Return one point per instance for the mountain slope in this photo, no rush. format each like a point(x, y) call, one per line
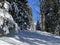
point(31, 38)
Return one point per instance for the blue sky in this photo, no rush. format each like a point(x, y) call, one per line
point(35, 9)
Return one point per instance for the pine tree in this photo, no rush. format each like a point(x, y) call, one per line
point(38, 25)
point(31, 23)
point(7, 22)
point(50, 9)
point(20, 12)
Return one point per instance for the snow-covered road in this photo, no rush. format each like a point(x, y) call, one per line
point(31, 38)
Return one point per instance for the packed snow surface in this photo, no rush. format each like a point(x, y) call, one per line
point(31, 38)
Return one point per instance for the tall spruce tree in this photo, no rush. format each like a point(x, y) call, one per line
point(21, 13)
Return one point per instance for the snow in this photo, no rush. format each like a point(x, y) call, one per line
point(6, 5)
point(24, 37)
point(31, 38)
point(6, 19)
point(5, 43)
point(5, 16)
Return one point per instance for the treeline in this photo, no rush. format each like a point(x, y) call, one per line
point(50, 12)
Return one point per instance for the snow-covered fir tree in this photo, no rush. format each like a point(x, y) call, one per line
point(7, 23)
point(15, 15)
point(20, 12)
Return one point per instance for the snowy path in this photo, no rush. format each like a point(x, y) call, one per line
point(39, 38)
point(4, 43)
point(31, 38)
point(10, 40)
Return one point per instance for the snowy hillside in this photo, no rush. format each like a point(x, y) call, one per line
point(31, 38)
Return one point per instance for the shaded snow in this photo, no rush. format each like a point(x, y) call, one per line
point(32, 38)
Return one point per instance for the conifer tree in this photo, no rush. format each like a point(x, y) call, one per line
point(38, 25)
point(21, 13)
